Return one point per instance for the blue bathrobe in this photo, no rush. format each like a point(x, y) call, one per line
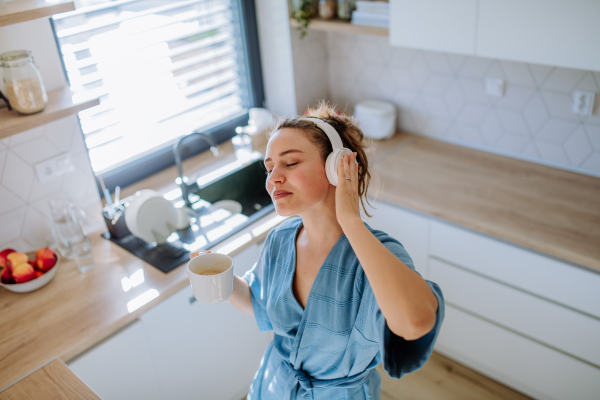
point(329, 350)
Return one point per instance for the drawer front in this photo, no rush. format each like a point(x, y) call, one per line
point(552, 324)
point(526, 270)
point(514, 360)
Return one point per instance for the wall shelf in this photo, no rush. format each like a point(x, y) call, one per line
point(26, 10)
point(60, 105)
point(343, 27)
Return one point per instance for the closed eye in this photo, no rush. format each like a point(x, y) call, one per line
point(289, 165)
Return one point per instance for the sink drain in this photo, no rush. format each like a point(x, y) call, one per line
point(257, 206)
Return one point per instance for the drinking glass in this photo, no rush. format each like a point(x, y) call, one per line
point(73, 243)
point(82, 250)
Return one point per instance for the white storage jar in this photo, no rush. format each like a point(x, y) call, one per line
point(377, 118)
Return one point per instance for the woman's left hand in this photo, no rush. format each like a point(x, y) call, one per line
point(346, 191)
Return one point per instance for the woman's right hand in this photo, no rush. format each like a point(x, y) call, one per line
point(197, 253)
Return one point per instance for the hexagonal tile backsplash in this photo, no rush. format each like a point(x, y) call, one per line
point(25, 222)
point(443, 96)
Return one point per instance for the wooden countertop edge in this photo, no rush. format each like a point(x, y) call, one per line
point(51, 380)
point(564, 255)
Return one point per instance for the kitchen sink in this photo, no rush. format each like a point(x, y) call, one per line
point(212, 224)
point(246, 186)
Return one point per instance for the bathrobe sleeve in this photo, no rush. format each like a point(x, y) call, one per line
point(400, 356)
point(258, 280)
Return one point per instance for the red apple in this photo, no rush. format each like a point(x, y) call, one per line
point(15, 259)
point(6, 276)
point(45, 259)
point(23, 273)
point(38, 274)
point(41, 251)
point(3, 254)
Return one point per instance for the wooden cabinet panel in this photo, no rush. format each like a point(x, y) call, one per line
point(561, 33)
point(120, 367)
point(439, 25)
point(408, 228)
point(514, 360)
point(541, 320)
point(524, 269)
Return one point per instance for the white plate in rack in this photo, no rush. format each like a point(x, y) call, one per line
point(151, 217)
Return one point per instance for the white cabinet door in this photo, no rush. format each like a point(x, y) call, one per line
point(563, 33)
point(439, 25)
point(120, 367)
point(514, 360)
point(546, 322)
point(525, 270)
point(205, 351)
point(410, 229)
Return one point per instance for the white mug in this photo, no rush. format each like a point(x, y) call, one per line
point(214, 288)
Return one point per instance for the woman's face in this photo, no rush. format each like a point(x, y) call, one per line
point(294, 165)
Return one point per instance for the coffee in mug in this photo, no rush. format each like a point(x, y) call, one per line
point(211, 277)
point(211, 271)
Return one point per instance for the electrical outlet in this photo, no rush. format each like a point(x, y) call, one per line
point(54, 167)
point(583, 102)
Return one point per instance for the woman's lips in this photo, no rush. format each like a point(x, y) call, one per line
point(281, 195)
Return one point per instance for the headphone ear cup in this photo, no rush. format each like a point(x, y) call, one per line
point(331, 164)
point(331, 167)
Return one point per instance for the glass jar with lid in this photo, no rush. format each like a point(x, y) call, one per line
point(24, 87)
point(328, 9)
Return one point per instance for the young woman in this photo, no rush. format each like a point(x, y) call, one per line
point(340, 296)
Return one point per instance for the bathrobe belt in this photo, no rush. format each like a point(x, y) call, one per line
point(307, 382)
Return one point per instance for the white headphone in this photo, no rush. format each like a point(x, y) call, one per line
point(333, 159)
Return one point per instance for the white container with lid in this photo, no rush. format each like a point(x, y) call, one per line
point(377, 118)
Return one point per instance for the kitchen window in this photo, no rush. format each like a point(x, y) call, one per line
point(161, 69)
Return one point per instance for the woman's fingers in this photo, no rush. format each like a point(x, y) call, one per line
point(348, 167)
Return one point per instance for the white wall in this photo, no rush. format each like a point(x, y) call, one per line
point(442, 96)
point(276, 56)
point(311, 68)
point(37, 37)
point(24, 214)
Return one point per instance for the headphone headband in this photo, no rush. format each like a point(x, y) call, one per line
point(329, 130)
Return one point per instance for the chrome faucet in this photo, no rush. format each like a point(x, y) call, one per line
point(187, 189)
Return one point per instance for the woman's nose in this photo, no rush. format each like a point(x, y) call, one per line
point(275, 176)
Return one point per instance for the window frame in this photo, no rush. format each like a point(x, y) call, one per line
point(163, 158)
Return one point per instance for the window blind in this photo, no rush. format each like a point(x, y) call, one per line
point(161, 69)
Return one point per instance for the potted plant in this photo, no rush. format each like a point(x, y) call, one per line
point(302, 11)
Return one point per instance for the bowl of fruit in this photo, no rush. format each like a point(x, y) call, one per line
point(25, 272)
